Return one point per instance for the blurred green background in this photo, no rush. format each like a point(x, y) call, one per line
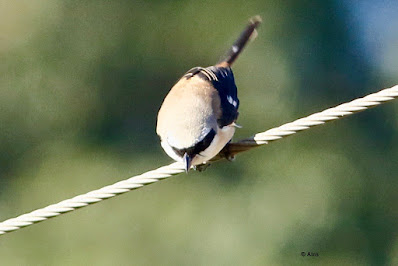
point(80, 86)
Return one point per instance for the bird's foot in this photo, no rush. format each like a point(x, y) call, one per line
point(201, 167)
point(230, 157)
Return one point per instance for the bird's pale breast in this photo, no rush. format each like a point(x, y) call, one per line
point(193, 107)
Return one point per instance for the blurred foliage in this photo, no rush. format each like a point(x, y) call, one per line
point(80, 86)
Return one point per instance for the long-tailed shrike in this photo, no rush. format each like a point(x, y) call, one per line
point(197, 117)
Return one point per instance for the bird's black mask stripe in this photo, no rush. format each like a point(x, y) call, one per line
point(197, 148)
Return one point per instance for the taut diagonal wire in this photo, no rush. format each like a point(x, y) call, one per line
point(177, 168)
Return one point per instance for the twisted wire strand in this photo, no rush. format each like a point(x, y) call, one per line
point(316, 119)
point(229, 151)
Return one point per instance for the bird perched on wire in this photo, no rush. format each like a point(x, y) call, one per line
point(197, 117)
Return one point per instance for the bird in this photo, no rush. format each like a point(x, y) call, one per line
point(197, 118)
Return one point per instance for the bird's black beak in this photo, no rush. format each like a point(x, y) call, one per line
point(187, 162)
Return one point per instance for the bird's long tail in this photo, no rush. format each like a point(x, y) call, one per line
point(249, 33)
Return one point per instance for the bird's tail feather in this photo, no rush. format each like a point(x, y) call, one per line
point(249, 33)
